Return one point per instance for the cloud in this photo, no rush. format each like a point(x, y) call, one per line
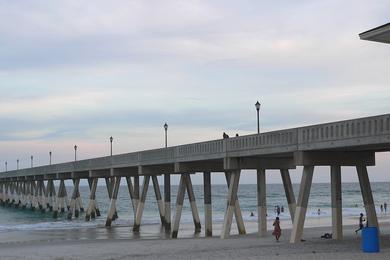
point(73, 72)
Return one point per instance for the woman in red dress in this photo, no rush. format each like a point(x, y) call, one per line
point(277, 231)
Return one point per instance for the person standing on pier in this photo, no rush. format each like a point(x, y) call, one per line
point(277, 230)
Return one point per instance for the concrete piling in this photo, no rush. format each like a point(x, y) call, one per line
point(141, 204)
point(303, 198)
point(207, 204)
point(167, 202)
point(261, 203)
point(114, 195)
point(336, 201)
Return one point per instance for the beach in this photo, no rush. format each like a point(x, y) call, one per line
point(121, 243)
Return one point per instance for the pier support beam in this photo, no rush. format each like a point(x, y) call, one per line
point(141, 204)
point(261, 203)
point(73, 211)
point(185, 183)
point(167, 202)
point(288, 189)
point(179, 206)
point(110, 186)
point(54, 200)
point(160, 204)
point(303, 198)
point(112, 208)
point(237, 209)
point(91, 210)
point(134, 197)
point(234, 179)
point(194, 208)
point(368, 200)
point(337, 215)
point(96, 212)
point(41, 196)
point(208, 219)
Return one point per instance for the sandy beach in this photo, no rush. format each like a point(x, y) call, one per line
point(121, 243)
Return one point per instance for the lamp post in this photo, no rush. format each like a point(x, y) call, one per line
point(166, 134)
point(50, 158)
point(32, 159)
point(111, 139)
point(17, 164)
point(75, 153)
point(6, 167)
point(257, 105)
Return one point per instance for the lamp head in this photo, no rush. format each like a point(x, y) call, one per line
point(257, 105)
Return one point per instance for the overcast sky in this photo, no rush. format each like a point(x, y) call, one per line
point(77, 72)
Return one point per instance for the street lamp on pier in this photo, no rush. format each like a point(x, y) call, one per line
point(111, 139)
point(166, 134)
point(75, 153)
point(32, 161)
point(257, 105)
point(50, 158)
point(6, 167)
point(17, 164)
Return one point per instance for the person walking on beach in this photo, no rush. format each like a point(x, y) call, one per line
point(277, 230)
point(385, 206)
point(278, 210)
point(361, 221)
point(381, 208)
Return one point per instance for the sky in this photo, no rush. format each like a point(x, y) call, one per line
point(77, 72)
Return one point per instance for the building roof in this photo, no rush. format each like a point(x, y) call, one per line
point(378, 34)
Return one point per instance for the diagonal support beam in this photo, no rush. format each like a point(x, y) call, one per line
point(179, 206)
point(112, 209)
point(91, 210)
point(72, 210)
point(372, 220)
point(237, 210)
point(160, 204)
point(303, 198)
point(130, 187)
point(232, 200)
point(288, 189)
point(141, 204)
point(191, 197)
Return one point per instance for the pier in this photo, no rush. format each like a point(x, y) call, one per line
point(345, 143)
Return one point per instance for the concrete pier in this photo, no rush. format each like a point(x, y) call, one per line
point(337, 144)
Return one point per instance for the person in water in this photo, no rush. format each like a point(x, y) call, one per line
point(252, 215)
point(277, 230)
point(361, 221)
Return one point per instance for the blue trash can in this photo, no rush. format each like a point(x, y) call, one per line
point(370, 240)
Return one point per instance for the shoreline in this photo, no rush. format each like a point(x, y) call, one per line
point(248, 246)
point(155, 231)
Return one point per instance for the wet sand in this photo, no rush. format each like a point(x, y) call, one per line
point(151, 243)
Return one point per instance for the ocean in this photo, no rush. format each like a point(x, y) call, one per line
point(12, 219)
